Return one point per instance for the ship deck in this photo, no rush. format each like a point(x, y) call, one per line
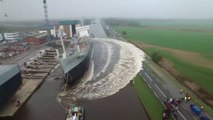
point(75, 59)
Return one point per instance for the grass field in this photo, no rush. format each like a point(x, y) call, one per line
point(172, 38)
point(188, 47)
point(148, 99)
point(200, 75)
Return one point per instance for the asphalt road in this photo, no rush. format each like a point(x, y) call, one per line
point(97, 30)
point(164, 90)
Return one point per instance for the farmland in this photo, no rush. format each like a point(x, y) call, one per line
point(185, 47)
point(171, 38)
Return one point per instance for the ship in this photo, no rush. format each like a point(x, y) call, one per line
point(77, 54)
point(75, 113)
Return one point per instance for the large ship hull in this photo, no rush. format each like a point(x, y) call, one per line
point(75, 66)
point(79, 70)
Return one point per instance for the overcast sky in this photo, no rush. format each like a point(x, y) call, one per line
point(33, 9)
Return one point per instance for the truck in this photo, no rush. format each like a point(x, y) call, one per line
point(196, 109)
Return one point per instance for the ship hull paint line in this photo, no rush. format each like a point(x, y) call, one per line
point(92, 55)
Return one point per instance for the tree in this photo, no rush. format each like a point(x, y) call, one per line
point(124, 33)
point(156, 56)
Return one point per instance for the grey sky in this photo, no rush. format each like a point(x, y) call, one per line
point(33, 9)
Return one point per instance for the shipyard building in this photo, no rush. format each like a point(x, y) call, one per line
point(67, 26)
point(10, 80)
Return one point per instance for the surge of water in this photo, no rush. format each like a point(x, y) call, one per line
point(127, 66)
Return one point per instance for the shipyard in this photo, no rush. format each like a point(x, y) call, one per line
point(103, 60)
point(49, 64)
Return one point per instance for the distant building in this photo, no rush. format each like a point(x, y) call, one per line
point(38, 39)
point(82, 31)
point(9, 82)
point(13, 36)
point(1, 37)
point(67, 26)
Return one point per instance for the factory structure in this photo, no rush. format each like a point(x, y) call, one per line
point(37, 39)
point(67, 26)
point(13, 36)
point(40, 36)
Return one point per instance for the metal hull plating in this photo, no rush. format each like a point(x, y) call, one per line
point(75, 72)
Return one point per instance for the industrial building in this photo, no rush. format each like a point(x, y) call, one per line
point(67, 26)
point(38, 39)
point(1, 37)
point(13, 36)
point(9, 82)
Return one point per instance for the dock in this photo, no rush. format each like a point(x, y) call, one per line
point(33, 73)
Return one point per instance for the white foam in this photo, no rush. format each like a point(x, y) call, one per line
point(128, 65)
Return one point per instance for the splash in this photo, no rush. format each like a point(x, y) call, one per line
point(99, 85)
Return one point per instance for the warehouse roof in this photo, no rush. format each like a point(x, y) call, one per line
point(41, 35)
point(7, 72)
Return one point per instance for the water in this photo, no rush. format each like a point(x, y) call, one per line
point(115, 65)
point(43, 104)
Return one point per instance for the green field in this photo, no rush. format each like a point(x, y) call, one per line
point(148, 99)
point(195, 38)
point(200, 75)
point(201, 42)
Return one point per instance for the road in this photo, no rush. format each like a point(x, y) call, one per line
point(97, 30)
point(165, 90)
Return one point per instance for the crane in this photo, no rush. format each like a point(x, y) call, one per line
point(46, 20)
